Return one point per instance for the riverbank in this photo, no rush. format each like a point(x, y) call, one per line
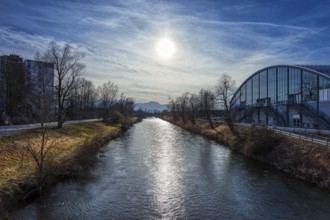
point(302, 159)
point(27, 165)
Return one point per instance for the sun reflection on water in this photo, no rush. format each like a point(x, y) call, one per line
point(167, 175)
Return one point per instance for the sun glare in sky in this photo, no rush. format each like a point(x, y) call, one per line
point(143, 46)
point(165, 48)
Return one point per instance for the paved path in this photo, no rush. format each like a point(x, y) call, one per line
point(13, 129)
point(313, 139)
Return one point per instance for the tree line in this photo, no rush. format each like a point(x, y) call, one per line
point(189, 107)
point(58, 92)
point(68, 95)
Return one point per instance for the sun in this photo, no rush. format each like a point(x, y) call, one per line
point(165, 48)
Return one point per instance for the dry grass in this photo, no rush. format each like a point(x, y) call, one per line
point(16, 165)
point(302, 159)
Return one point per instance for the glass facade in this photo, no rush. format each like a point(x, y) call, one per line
point(255, 88)
point(309, 85)
point(282, 85)
point(242, 101)
point(294, 85)
point(263, 81)
point(271, 85)
point(285, 95)
point(249, 95)
point(324, 89)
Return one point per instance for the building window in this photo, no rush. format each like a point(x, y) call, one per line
point(255, 89)
point(324, 89)
point(243, 94)
point(263, 84)
point(309, 86)
point(282, 85)
point(294, 85)
point(272, 84)
point(296, 120)
point(249, 92)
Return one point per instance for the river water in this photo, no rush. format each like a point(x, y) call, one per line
point(159, 171)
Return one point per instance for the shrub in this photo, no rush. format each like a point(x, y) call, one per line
point(260, 141)
point(116, 118)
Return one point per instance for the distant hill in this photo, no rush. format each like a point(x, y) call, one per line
point(150, 106)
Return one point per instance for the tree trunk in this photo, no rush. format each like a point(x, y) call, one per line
point(183, 118)
point(193, 120)
point(59, 123)
point(210, 120)
point(230, 124)
point(59, 118)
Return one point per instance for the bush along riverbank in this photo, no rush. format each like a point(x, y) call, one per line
point(34, 160)
point(302, 159)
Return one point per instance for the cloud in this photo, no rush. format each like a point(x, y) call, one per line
point(18, 42)
point(119, 38)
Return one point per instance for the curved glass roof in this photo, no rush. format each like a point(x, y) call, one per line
point(325, 69)
point(322, 70)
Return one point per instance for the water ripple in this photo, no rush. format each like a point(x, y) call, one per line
point(159, 171)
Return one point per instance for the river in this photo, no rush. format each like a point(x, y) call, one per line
point(160, 171)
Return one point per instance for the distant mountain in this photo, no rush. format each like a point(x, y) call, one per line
point(150, 106)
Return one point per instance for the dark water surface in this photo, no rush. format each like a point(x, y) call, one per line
point(159, 171)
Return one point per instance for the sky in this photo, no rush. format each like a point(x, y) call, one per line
point(120, 37)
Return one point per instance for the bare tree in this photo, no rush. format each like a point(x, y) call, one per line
point(125, 105)
point(41, 86)
point(89, 96)
point(39, 148)
point(67, 67)
point(172, 108)
point(193, 106)
point(108, 93)
point(225, 90)
point(182, 103)
point(83, 98)
point(207, 102)
point(40, 151)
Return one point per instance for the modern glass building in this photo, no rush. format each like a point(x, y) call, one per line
point(285, 95)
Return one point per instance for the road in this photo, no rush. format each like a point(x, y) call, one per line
point(7, 130)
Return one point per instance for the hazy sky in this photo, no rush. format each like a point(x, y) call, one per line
point(210, 37)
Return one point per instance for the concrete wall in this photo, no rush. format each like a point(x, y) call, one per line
point(325, 107)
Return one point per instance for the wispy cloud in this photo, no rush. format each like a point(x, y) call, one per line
point(119, 39)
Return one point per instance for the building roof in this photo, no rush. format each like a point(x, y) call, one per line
point(325, 69)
